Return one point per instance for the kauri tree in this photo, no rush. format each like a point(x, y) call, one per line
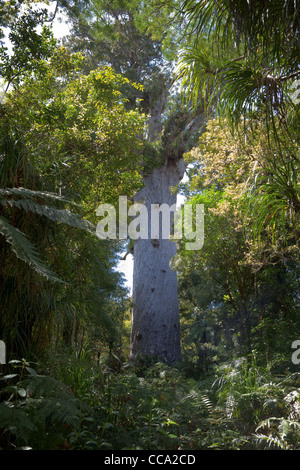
point(138, 40)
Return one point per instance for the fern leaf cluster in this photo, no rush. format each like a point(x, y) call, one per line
point(40, 411)
point(20, 244)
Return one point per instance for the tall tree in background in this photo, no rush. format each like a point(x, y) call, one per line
point(135, 39)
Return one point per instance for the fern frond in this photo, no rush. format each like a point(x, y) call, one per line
point(198, 400)
point(25, 250)
point(57, 215)
point(32, 193)
point(270, 441)
point(33, 419)
point(58, 411)
point(16, 421)
point(52, 400)
point(44, 385)
point(279, 430)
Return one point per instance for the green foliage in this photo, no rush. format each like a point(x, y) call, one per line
point(152, 156)
point(36, 411)
point(133, 409)
point(67, 141)
point(24, 249)
point(251, 23)
point(240, 289)
point(71, 137)
point(280, 432)
point(131, 36)
point(253, 82)
point(28, 218)
point(274, 204)
point(256, 400)
point(94, 138)
point(21, 246)
point(137, 39)
point(29, 48)
point(79, 404)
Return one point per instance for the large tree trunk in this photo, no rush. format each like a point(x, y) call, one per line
point(155, 314)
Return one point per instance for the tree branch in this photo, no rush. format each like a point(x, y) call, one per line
point(288, 77)
point(54, 14)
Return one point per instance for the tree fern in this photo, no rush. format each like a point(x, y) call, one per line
point(40, 416)
point(33, 194)
point(281, 433)
point(20, 244)
point(24, 249)
point(16, 422)
point(52, 213)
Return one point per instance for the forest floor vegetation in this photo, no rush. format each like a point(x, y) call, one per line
point(78, 404)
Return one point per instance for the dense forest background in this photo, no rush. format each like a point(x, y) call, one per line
point(82, 120)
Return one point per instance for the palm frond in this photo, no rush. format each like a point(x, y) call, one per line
point(240, 91)
point(259, 32)
point(270, 23)
point(238, 88)
point(274, 200)
point(197, 74)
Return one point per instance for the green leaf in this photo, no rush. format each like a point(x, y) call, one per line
point(31, 371)
point(32, 194)
point(108, 426)
point(107, 444)
point(22, 392)
point(9, 376)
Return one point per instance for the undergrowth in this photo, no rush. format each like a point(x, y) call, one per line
point(79, 404)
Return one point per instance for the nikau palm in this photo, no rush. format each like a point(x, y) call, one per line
point(245, 63)
point(252, 57)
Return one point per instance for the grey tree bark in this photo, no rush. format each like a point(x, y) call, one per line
point(155, 326)
point(155, 314)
